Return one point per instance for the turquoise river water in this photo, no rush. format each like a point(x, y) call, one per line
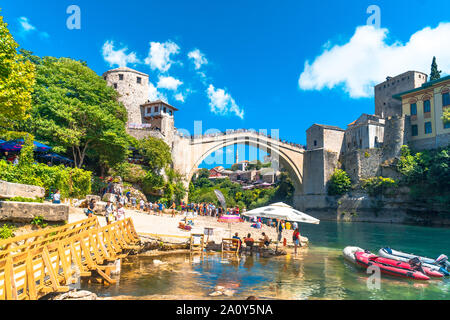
point(318, 272)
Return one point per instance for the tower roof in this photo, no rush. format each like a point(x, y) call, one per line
point(150, 103)
point(125, 69)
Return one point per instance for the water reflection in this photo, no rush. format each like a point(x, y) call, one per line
point(317, 272)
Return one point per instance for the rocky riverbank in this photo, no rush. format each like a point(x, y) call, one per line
point(359, 207)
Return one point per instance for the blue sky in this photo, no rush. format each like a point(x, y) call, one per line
point(246, 64)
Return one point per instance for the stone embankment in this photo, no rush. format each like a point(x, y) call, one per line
point(13, 211)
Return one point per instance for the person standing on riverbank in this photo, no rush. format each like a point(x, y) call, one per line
point(296, 240)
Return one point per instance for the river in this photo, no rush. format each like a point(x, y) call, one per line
point(318, 272)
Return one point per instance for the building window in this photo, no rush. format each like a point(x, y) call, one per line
point(120, 76)
point(104, 77)
point(149, 110)
point(414, 130)
point(156, 109)
point(446, 99)
point(315, 143)
point(447, 125)
point(428, 128)
point(139, 79)
point(413, 109)
point(165, 109)
point(426, 106)
point(170, 112)
point(115, 85)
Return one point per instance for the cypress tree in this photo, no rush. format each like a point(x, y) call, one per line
point(435, 74)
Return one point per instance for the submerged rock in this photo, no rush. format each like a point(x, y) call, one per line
point(228, 293)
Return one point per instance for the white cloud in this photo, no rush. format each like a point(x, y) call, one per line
point(25, 24)
point(222, 103)
point(154, 94)
point(179, 97)
point(198, 58)
point(169, 83)
point(367, 59)
point(27, 28)
point(159, 56)
point(118, 57)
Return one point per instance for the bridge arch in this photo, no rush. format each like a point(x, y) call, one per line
point(291, 158)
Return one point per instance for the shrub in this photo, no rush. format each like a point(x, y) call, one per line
point(23, 199)
point(339, 183)
point(72, 182)
point(7, 231)
point(39, 222)
point(376, 185)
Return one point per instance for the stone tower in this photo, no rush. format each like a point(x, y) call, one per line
point(385, 105)
point(133, 89)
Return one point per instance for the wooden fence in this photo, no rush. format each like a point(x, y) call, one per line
point(42, 262)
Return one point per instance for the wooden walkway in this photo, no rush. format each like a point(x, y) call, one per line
point(42, 262)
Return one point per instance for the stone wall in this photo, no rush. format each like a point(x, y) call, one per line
point(26, 211)
point(362, 164)
point(144, 133)
point(318, 165)
point(439, 141)
point(11, 190)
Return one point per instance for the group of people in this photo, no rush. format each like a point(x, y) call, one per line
point(209, 209)
point(265, 240)
point(13, 158)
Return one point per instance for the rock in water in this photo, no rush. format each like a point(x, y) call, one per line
point(77, 295)
point(228, 293)
point(215, 294)
point(158, 262)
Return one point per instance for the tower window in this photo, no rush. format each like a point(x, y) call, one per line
point(428, 128)
point(120, 76)
point(104, 77)
point(115, 85)
point(315, 143)
point(414, 130)
point(139, 80)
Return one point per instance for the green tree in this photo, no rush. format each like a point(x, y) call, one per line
point(17, 77)
point(203, 173)
point(339, 183)
point(446, 115)
point(77, 112)
point(156, 153)
point(435, 73)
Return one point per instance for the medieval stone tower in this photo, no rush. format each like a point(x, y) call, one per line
point(133, 89)
point(145, 117)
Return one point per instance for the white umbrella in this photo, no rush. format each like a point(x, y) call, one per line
point(281, 211)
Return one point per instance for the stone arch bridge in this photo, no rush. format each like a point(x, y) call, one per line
point(189, 152)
